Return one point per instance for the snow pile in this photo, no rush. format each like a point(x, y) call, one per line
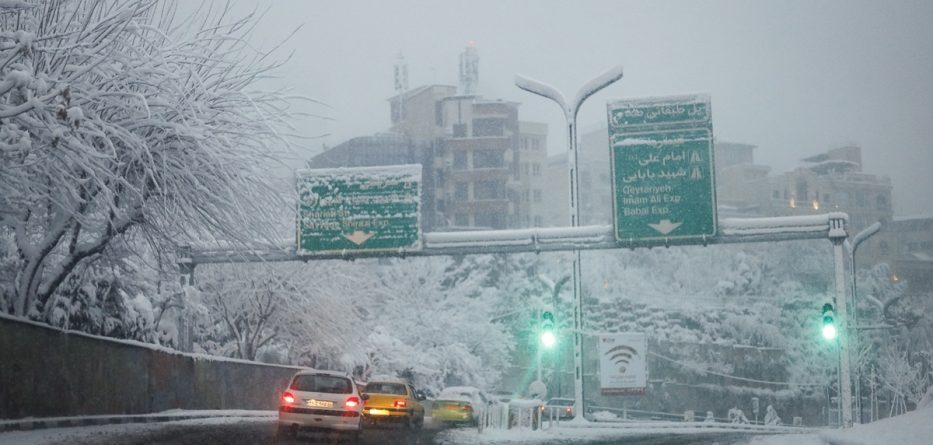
point(913, 428)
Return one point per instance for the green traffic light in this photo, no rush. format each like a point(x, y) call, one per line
point(548, 339)
point(829, 331)
point(829, 322)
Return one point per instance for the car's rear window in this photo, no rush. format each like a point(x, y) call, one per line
point(386, 388)
point(560, 402)
point(322, 383)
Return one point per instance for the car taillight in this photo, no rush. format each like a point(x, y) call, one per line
point(399, 404)
point(467, 408)
point(352, 402)
point(288, 397)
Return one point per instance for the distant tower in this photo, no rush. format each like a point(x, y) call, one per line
point(469, 70)
point(401, 85)
point(401, 74)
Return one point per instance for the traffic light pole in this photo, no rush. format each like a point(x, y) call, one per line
point(570, 113)
point(837, 234)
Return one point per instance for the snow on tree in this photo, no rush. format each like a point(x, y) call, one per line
point(244, 308)
point(116, 120)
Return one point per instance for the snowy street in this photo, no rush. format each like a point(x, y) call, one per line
point(909, 429)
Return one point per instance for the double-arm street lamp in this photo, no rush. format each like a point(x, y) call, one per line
point(570, 114)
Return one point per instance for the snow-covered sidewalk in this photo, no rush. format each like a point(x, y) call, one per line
point(914, 428)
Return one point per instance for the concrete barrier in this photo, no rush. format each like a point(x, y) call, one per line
point(48, 372)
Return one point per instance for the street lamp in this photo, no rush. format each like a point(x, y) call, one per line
point(852, 247)
point(570, 114)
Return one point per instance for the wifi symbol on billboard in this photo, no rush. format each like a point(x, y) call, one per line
point(621, 356)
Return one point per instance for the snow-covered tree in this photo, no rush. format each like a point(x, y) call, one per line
point(309, 315)
point(115, 118)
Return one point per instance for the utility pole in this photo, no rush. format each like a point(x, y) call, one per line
point(570, 114)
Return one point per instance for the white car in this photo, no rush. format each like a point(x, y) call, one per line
point(321, 401)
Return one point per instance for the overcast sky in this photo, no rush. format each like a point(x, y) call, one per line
point(793, 77)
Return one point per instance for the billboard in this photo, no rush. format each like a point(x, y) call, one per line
point(623, 364)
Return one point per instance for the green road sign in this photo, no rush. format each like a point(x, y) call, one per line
point(359, 209)
point(662, 168)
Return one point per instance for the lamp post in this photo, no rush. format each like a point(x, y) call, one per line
point(570, 114)
point(852, 247)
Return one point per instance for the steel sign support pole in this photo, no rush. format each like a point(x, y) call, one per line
point(570, 114)
point(837, 235)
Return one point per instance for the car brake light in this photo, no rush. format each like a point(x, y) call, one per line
point(288, 397)
point(467, 408)
point(352, 402)
point(399, 404)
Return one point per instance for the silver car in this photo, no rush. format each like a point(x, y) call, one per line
point(321, 401)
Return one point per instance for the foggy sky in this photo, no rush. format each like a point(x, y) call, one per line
point(793, 77)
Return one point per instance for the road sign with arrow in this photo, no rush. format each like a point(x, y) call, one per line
point(662, 168)
point(359, 209)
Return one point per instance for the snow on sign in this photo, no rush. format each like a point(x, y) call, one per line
point(359, 209)
point(662, 168)
point(623, 368)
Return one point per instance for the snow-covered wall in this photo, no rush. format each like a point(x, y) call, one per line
point(49, 372)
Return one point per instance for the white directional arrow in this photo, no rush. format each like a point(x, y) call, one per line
point(358, 237)
point(665, 226)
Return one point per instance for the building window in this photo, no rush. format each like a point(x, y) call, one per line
point(441, 179)
point(462, 191)
point(490, 220)
point(539, 221)
point(488, 159)
point(526, 195)
point(488, 190)
point(536, 169)
point(776, 194)
point(441, 205)
point(460, 160)
point(439, 114)
point(860, 200)
point(488, 127)
point(537, 195)
point(460, 130)
point(882, 203)
point(461, 220)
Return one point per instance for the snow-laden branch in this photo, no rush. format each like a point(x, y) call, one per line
point(116, 119)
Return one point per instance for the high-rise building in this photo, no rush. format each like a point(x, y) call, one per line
point(482, 167)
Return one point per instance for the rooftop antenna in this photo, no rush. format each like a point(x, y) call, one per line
point(401, 83)
point(469, 69)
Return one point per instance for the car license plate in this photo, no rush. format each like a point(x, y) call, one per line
point(379, 412)
point(320, 403)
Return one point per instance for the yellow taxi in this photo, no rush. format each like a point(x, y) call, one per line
point(393, 401)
